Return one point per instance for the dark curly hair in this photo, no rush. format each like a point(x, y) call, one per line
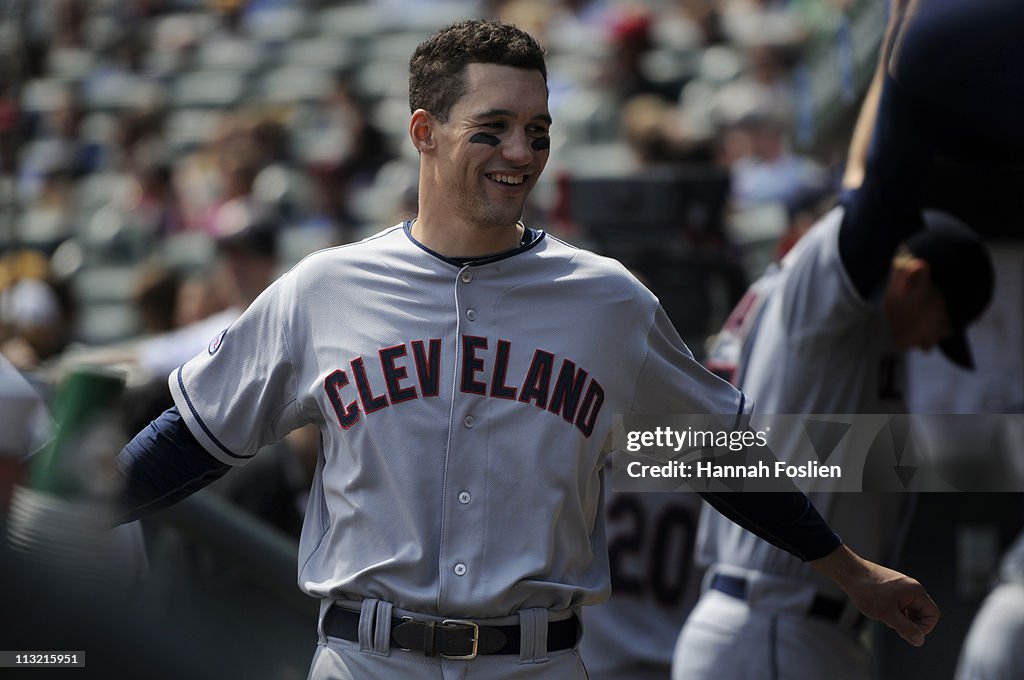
point(437, 68)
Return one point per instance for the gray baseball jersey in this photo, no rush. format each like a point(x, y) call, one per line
point(992, 649)
point(465, 413)
point(814, 347)
point(655, 583)
point(802, 342)
point(23, 418)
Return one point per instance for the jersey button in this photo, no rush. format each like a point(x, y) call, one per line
point(468, 421)
point(460, 569)
point(464, 497)
point(466, 277)
point(471, 314)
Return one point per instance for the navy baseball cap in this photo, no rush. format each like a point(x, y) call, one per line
point(961, 268)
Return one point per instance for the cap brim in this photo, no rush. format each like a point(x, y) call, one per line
point(957, 350)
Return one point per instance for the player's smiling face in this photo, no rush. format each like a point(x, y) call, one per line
point(495, 143)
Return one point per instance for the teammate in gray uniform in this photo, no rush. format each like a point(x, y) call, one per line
point(464, 371)
point(25, 426)
point(765, 614)
point(655, 584)
point(993, 649)
point(821, 333)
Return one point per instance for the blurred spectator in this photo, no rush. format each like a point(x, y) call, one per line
point(229, 15)
point(769, 171)
point(152, 207)
point(657, 132)
point(70, 18)
point(705, 15)
point(155, 297)
point(238, 161)
point(35, 311)
point(247, 263)
point(32, 313)
point(561, 26)
point(279, 185)
point(197, 181)
point(48, 218)
point(349, 151)
point(129, 11)
point(56, 147)
point(394, 194)
point(137, 205)
point(204, 305)
point(198, 296)
point(9, 129)
point(769, 77)
point(249, 255)
point(139, 139)
point(803, 211)
point(631, 41)
point(118, 76)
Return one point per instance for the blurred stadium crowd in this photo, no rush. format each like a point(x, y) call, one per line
point(137, 137)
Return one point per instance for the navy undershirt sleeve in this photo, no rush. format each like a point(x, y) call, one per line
point(163, 464)
point(964, 61)
point(787, 520)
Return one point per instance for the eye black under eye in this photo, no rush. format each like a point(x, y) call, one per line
point(484, 138)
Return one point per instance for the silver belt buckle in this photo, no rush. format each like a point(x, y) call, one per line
point(404, 619)
point(476, 637)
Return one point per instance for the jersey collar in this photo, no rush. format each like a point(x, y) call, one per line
point(531, 238)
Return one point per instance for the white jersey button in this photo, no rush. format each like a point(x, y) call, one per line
point(466, 277)
point(471, 314)
point(460, 569)
point(464, 497)
point(468, 421)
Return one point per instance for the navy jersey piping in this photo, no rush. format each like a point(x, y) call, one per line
point(535, 237)
point(195, 414)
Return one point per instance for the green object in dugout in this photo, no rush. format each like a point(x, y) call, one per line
point(78, 462)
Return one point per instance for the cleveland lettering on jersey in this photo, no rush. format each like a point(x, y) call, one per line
point(563, 389)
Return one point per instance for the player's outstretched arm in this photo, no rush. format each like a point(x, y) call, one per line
point(880, 593)
point(163, 464)
point(856, 157)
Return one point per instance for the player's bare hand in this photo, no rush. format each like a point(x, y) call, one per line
point(898, 601)
point(884, 594)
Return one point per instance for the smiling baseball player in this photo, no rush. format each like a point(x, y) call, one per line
point(464, 371)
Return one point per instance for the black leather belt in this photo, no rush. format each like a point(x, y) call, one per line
point(451, 638)
point(829, 608)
